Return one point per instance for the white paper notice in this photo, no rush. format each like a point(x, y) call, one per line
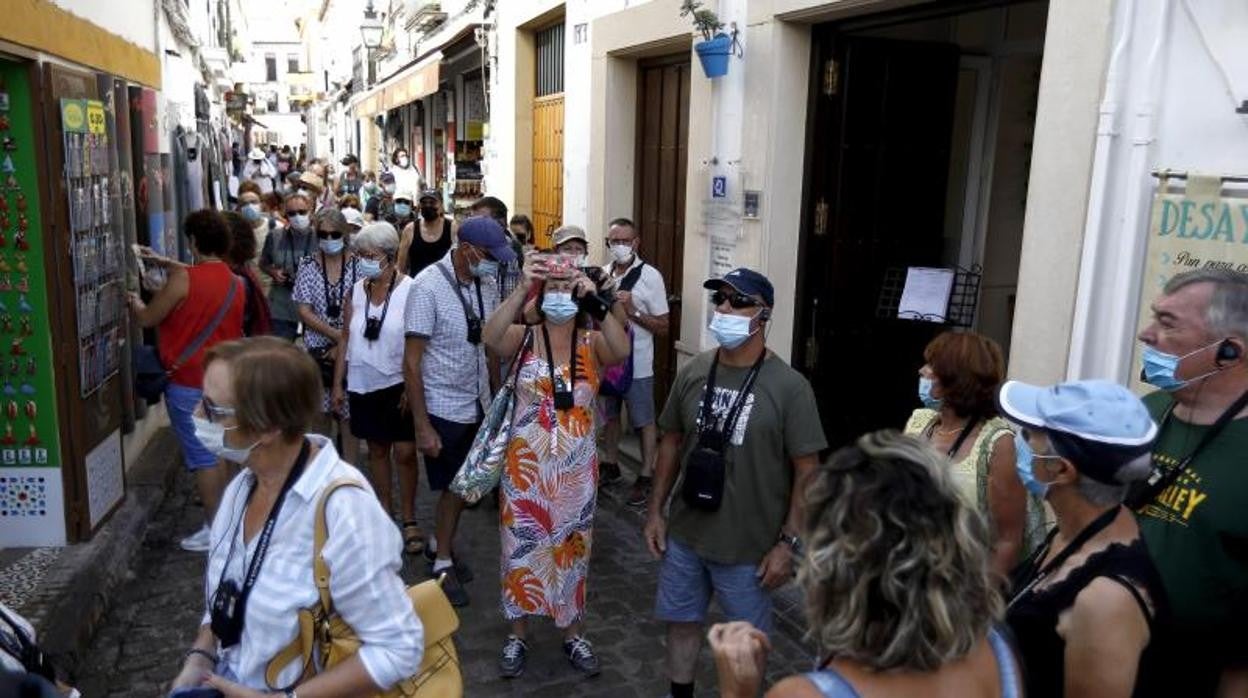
point(926, 295)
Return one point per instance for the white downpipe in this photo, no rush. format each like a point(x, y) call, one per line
point(1106, 134)
point(1137, 188)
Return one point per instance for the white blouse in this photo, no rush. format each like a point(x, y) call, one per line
point(363, 555)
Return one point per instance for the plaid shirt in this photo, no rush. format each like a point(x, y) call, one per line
point(454, 371)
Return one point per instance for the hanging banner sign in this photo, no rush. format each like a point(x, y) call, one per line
point(1198, 227)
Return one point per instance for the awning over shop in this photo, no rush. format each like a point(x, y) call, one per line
point(408, 85)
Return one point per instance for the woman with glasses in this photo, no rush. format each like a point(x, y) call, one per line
point(370, 362)
point(322, 289)
point(284, 248)
point(550, 481)
point(261, 397)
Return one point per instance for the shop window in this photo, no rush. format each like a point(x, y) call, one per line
point(270, 67)
point(550, 61)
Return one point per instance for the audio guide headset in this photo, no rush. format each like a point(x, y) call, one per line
point(1228, 351)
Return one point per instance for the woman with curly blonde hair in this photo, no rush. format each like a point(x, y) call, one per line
point(899, 594)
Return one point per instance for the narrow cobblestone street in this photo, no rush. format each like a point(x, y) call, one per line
point(154, 617)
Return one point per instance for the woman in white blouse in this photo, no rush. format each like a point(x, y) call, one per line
point(370, 358)
point(260, 397)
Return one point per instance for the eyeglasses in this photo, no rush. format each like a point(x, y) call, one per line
point(297, 212)
point(619, 241)
point(403, 201)
point(736, 299)
point(329, 234)
point(213, 411)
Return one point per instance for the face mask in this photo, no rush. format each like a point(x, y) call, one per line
point(252, 212)
point(925, 394)
point(485, 268)
point(402, 210)
point(559, 307)
point(212, 436)
point(429, 212)
point(300, 221)
point(1160, 368)
point(582, 260)
point(731, 331)
point(403, 161)
point(388, 188)
point(370, 187)
point(370, 268)
point(1023, 460)
point(332, 247)
point(305, 192)
point(622, 253)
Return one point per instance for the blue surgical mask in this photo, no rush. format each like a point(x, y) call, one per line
point(484, 269)
point(332, 247)
point(369, 268)
point(252, 212)
point(559, 307)
point(1160, 368)
point(300, 221)
point(212, 436)
point(925, 394)
point(1024, 458)
point(731, 331)
point(402, 210)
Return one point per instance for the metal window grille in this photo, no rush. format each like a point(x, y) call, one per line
point(550, 61)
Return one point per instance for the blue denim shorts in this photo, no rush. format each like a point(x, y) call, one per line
point(181, 402)
point(640, 400)
point(686, 582)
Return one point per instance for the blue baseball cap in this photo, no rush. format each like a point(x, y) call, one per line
point(746, 281)
point(1098, 425)
point(486, 233)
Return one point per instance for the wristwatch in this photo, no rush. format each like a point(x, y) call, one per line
point(794, 543)
point(637, 314)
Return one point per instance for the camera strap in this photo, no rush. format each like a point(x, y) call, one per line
point(342, 277)
point(290, 242)
point(707, 426)
point(385, 308)
point(469, 315)
point(550, 361)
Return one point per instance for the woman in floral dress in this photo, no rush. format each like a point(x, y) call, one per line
point(550, 476)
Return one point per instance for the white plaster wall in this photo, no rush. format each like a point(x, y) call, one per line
point(132, 20)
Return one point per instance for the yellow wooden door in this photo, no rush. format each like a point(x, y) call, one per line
point(547, 167)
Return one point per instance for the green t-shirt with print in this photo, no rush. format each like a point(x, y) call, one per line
point(1197, 532)
point(778, 422)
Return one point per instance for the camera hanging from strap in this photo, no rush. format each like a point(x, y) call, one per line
point(705, 468)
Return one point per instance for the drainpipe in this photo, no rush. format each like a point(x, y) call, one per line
point(1106, 134)
point(1126, 275)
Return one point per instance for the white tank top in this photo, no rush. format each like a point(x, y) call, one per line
point(378, 364)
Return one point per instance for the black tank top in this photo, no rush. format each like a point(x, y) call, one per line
point(421, 254)
point(1033, 617)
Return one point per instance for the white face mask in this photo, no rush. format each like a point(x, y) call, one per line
point(403, 161)
point(622, 253)
point(212, 436)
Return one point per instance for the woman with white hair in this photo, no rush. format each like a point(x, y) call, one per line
point(370, 357)
point(1085, 605)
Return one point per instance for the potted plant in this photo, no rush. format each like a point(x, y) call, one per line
point(716, 47)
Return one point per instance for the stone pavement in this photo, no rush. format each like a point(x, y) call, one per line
point(155, 614)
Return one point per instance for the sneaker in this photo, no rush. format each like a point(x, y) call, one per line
point(462, 570)
point(640, 493)
point(608, 473)
point(581, 655)
point(454, 588)
point(515, 655)
point(197, 542)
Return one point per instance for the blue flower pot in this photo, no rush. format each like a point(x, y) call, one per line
point(714, 55)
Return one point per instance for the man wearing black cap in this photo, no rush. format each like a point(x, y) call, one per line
point(742, 430)
point(349, 182)
point(381, 207)
point(436, 230)
point(509, 273)
point(447, 373)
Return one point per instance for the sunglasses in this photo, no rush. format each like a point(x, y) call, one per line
point(213, 411)
point(297, 212)
point(329, 234)
point(736, 299)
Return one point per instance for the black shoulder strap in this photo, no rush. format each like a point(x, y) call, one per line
point(468, 312)
point(632, 277)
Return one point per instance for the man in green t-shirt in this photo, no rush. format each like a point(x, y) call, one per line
point(1195, 518)
point(742, 429)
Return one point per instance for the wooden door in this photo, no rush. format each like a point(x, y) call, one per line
point(547, 167)
point(659, 191)
point(877, 170)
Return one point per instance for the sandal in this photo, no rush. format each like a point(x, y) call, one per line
point(413, 538)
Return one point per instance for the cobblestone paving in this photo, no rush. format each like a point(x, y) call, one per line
point(154, 617)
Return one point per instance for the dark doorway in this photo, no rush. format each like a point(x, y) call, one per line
point(881, 133)
point(659, 190)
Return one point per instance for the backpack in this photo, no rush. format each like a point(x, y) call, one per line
point(616, 380)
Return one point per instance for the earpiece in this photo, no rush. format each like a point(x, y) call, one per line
point(1228, 351)
point(765, 314)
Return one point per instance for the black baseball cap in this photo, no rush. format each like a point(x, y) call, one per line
point(746, 281)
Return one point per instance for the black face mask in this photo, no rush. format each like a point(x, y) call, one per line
point(429, 212)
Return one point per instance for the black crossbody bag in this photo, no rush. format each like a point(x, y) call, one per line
point(705, 468)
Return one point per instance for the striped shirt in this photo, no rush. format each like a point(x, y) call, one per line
point(363, 554)
point(457, 384)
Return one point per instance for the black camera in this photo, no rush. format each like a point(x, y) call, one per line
point(333, 310)
point(227, 613)
point(474, 330)
point(703, 488)
point(596, 305)
point(372, 328)
point(564, 399)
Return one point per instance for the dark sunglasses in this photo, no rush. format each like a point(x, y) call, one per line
point(329, 234)
point(736, 299)
point(297, 212)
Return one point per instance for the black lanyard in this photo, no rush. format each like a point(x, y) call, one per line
point(962, 435)
point(550, 362)
point(334, 310)
point(1035, 577)
point(266, 534)
point(1162, 479)
point(457, 287)
point(368, 295)
point(707, 430)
